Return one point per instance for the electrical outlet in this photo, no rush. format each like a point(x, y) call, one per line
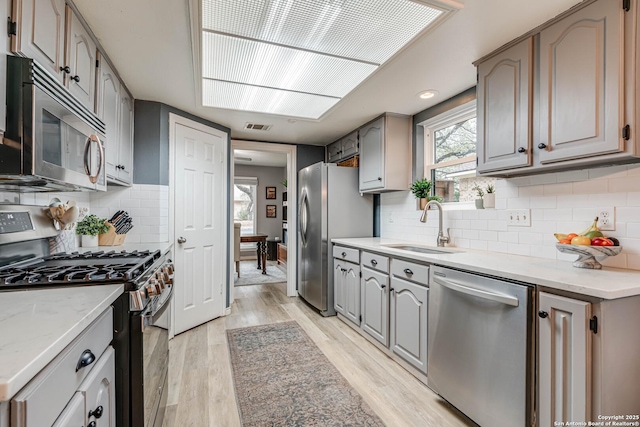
point(607, 219)
point(519, 217)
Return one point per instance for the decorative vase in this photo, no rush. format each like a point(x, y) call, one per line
point(89, 241)
point(490, 200)
point(479, 204)
point(423, 203)
point(65, 241)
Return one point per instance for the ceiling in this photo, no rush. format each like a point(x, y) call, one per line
point(149, 42)
point(259, 158)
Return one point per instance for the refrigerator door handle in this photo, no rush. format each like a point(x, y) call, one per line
point(302, 219)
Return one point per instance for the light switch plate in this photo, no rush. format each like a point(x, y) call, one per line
point(519, 217)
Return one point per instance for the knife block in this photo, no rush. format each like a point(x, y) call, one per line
point(111, 238)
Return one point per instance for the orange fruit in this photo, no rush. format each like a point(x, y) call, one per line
point(571, 236)
point(565, 241)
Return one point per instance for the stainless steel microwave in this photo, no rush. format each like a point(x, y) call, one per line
point(52, 142)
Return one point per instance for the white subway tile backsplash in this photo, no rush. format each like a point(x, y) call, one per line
point(562, 189)
point(489, 236)
point(591, 186)
point(508, 236)
point(625, 184)
point(633, 230)
point(546, 202)
point(479, 245)
point(608, 172)
point(519, 249)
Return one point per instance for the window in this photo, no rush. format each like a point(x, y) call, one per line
point(450, 154)
point(244, 203)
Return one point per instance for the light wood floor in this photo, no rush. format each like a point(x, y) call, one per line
point(201, 389)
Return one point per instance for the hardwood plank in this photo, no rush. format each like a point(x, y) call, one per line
point(201, 384)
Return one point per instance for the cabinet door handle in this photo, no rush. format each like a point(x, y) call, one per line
point(75, 78)
point(408, 272)
point(379, 178)
point(522, 150)
point(344, 254)
point(66, 69)
point(391, 290)
point(86, 359)
point(91, 424)
point(543, 314)
point(542, 146)
point(374, 262)
point(97, 413)
point(382, 286)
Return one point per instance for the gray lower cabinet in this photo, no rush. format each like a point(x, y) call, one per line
point(375, 304)
point(408, 323)
point(86, 368)
point(73, 414)
point(346, 282)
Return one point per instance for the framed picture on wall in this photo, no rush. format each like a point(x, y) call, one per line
point(271, 211)
point(271, 192)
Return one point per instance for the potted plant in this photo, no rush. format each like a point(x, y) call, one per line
point(490, 197)
point(479, 201)
point(421, 189)
point(89, 228)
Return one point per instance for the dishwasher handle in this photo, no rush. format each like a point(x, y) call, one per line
point(504, 299)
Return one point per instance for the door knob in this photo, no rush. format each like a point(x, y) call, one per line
point(182, 240)
point(75, 79)
point(522, 150)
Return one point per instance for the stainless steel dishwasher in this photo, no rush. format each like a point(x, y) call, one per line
point(480, 352)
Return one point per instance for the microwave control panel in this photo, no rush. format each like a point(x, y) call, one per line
point(14, 222)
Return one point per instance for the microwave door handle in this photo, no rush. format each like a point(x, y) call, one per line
point(94, 178)
point(87, 150)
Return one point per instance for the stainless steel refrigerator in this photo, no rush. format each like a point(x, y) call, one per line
point(329, 206)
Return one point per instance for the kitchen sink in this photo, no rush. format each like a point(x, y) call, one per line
point(422, 249)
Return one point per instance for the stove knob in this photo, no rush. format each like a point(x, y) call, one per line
point(170, 268)
point(151, 290)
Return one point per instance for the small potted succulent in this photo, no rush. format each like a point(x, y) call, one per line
point(490, 197)
point(479, 201)
point(421, 189)
point(89, 228)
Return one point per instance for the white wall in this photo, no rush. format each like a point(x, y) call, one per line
point(562, 202)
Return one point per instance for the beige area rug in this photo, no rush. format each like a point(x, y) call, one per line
point(250, 275)
point(283, 379)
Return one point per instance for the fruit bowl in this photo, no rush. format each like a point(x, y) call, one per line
point(587, 254)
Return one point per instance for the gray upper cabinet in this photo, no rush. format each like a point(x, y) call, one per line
point(350, 145)
point(125, 146)
point(107, 109)
point(115, 107)
point(581, 111)
point(581, 63)
point(385, 152)
point(40, 33)
point(505, 84)
point(334, 151)
point(343, 148)
point(81, 59)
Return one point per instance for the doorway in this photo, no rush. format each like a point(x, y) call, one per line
point(264, 175)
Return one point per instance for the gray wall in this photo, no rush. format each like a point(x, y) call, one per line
point(267, 177)
point(151, 140)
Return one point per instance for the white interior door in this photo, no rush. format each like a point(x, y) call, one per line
point(200, 202)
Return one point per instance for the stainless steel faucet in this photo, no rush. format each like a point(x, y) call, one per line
point(442, 239)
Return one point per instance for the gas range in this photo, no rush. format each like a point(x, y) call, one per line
point(141, 315)
point(78, 268)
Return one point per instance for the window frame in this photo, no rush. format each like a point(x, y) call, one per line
point(455, 115)
point(250, 181)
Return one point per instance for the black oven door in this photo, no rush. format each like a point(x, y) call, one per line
point(154, 324)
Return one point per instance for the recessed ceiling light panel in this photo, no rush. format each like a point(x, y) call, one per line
point(428, 94)
point(264, 100)
point(367, 30)
point(262, 64)
point(300, 57)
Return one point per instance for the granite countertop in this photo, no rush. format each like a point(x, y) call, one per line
point(38, 324)
point(608, 283)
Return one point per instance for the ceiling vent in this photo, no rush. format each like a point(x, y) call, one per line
point(256, 126)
